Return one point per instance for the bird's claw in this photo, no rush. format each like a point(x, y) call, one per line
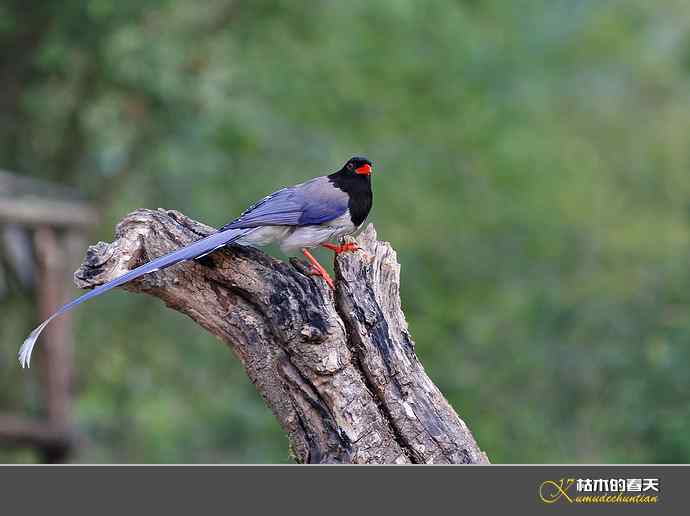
point(349, 247)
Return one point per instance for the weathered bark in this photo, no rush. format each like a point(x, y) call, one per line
point(339, 371)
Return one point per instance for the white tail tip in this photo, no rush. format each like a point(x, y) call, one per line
point(24, 354)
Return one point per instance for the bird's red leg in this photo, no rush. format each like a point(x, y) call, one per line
point(318, 270)
point(337, 249)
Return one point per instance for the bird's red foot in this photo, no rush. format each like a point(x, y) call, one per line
point(318, 270)
point(345, 248)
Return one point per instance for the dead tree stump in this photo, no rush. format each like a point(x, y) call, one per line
point(338, 370)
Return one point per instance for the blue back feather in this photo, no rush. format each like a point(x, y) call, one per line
point(314, 202)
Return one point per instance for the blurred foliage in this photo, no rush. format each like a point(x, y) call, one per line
point(532, 165)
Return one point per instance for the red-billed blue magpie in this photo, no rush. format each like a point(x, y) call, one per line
point(299, 217)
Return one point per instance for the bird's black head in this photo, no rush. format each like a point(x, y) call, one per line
point(355, 180)
point(358, 166)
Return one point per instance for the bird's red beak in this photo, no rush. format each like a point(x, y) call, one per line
point(364, 170)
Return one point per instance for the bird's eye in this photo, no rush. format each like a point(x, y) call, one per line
point(350, 165)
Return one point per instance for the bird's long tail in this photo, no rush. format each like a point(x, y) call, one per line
point(196, 250)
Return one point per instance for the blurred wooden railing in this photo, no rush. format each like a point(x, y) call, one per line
point(56, 220)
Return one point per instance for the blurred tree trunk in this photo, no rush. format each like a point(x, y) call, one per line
point(338, 370)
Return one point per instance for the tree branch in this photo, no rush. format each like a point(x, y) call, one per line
point(338, 371)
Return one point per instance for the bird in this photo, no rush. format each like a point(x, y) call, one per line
point(300, 217)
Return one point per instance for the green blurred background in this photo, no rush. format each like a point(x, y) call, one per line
point(532, 170)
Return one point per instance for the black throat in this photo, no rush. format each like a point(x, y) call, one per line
point(358, 189)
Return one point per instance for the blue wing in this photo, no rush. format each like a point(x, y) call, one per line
point(314, 202)
point(195, 250)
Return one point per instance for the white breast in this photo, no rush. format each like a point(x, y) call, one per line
point(314, 236)
point(264, 235)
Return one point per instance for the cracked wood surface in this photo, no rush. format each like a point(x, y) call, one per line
point(338, 370)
